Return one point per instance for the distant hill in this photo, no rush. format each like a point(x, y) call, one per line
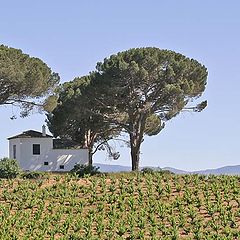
point(112, 168)
point(228, 170)
point(174, 170)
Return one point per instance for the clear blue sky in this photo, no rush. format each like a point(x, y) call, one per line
point(71, 36)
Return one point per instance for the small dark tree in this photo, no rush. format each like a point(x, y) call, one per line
point(142, 88)
point(77, 118)
point(26, 81)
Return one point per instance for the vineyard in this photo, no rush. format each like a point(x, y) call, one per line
point(121, 206)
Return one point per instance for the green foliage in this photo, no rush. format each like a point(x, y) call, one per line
point(153, 125)
point(81, 170)
point(147, 170)
point(121, 206)
point(73, 118)
point(25, 81)
point(77, 117)
point(133, 92)
point(32, 175)
point(144, 87)
point(9, 168)
point(50, 103)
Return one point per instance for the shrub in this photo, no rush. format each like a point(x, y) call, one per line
point(80, 170)
point(147, 170)
point(166, 172)
point(9, 168)
point(32, 175)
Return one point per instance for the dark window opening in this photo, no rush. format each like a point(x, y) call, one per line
point(61, 166)
point(45, 163)
point(14, 151)
point(36, 149)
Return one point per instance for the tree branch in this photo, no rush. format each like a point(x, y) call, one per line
point(20, 101)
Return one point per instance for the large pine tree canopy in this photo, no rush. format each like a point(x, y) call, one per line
point(25, 81)
point(148, 86)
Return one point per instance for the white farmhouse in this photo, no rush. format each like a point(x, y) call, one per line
point(38, 151)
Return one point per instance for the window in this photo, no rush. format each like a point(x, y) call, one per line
point(14, 151)
point(36, 149)
point(61, 166)
point(45, 163)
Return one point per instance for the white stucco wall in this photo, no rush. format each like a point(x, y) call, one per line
point(15, 141)
point(55, 157)
point(26, 156)
point(66, 157)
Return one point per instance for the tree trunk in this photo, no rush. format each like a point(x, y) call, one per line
point(135, 158)
point(90, 157)
point(89, 142)
point(136, 137)
point(135, 142)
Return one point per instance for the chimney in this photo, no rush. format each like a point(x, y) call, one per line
point(44, 130)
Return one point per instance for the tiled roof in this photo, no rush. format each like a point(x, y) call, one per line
point(30, 134)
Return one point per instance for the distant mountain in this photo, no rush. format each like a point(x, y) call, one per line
point(112, 168)
point(174, 170)
point(119, 168)
point(228, 170)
